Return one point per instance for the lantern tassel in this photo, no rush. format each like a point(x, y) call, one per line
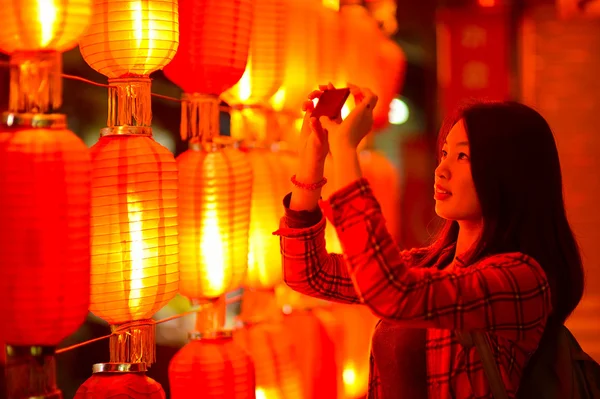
point(212, 319)
point(31, 372)
point(133, 342)
point(199, 117)
point(129, 101)
point(35, 82)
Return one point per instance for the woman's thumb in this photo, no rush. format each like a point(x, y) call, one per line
point(326, 123)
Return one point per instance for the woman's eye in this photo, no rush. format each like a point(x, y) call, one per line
point(444, 154)
point(462, 155)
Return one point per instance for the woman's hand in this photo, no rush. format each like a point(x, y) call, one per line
point(347, 135)
point(313, 143)
point(312, 151)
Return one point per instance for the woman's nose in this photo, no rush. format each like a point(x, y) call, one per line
point(442, 171)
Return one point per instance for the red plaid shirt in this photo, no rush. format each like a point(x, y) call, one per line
point(506, 295)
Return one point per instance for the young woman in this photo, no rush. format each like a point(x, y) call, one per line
point(505, 262)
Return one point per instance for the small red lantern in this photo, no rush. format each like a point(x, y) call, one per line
point(107, 382)
point(273, 353)
point(214, 38)
point(315, 353)
point(217, 368)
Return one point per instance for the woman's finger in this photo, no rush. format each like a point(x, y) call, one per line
point(315, 94)
point(308, 106)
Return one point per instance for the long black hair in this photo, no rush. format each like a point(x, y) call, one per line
point(517, 177)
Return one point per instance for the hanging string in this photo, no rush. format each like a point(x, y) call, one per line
point(230, 300)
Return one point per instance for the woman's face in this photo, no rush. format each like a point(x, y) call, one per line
point(454, 191)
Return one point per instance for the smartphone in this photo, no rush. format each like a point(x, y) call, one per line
point(331, 103)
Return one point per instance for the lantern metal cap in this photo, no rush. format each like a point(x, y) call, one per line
point(126, 131)
point(210, 335)
point(39, 121)
point(119, 368)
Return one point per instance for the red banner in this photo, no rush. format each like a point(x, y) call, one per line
point(473, 59)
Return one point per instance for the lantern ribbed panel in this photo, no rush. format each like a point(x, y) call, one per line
point(315, 354)
point(134, 228)
point(392, 66)
point(131, 37)
point(330, 48)
point(33, 25)
point(214, 208)
point(44, 235)
point(265, 69)
point(301, 50)
point(273, 354)
point(120, 386)
point(216, 369)
point(272, 171)
point(213, 45)
point(358, 323)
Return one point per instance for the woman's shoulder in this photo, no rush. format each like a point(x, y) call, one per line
point(515, 265)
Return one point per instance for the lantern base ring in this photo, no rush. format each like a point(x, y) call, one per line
point(119, 368)
point(210, 335)
point(40, 121)
point(126, 131)
point(216, 144)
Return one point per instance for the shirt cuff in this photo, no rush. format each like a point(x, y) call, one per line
point(300, 219)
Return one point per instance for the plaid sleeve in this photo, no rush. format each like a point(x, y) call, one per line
point(506, 293)
point(309, 269)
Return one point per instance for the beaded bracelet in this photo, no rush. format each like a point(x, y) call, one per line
point(308, 186)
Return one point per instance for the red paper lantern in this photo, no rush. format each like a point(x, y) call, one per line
point(265, 68)
point(134, 228)
point(214, 208)
point(362, 36)
point(274, 356)
point(330, 47)
point(44, 234)
point(214, 38)
point(315, 353)
point(358, 324)
point(213, 368)
point(272, 170)
point(390, 77)
point(120, 386)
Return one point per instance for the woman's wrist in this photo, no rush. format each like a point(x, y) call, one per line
point(346, 167)
point(310, 172)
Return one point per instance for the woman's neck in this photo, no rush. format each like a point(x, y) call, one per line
point(468, 234)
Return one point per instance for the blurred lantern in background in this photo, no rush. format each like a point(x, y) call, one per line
point(301, 64)
point(390, 78)
point(216, 368)
point(215, 181)
point(330, 46)
point(274, 356)
point(45, 201)
point(315, 353)
point(134, 180)
point(357, 323)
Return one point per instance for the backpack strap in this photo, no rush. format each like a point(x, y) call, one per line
point(479, 340)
